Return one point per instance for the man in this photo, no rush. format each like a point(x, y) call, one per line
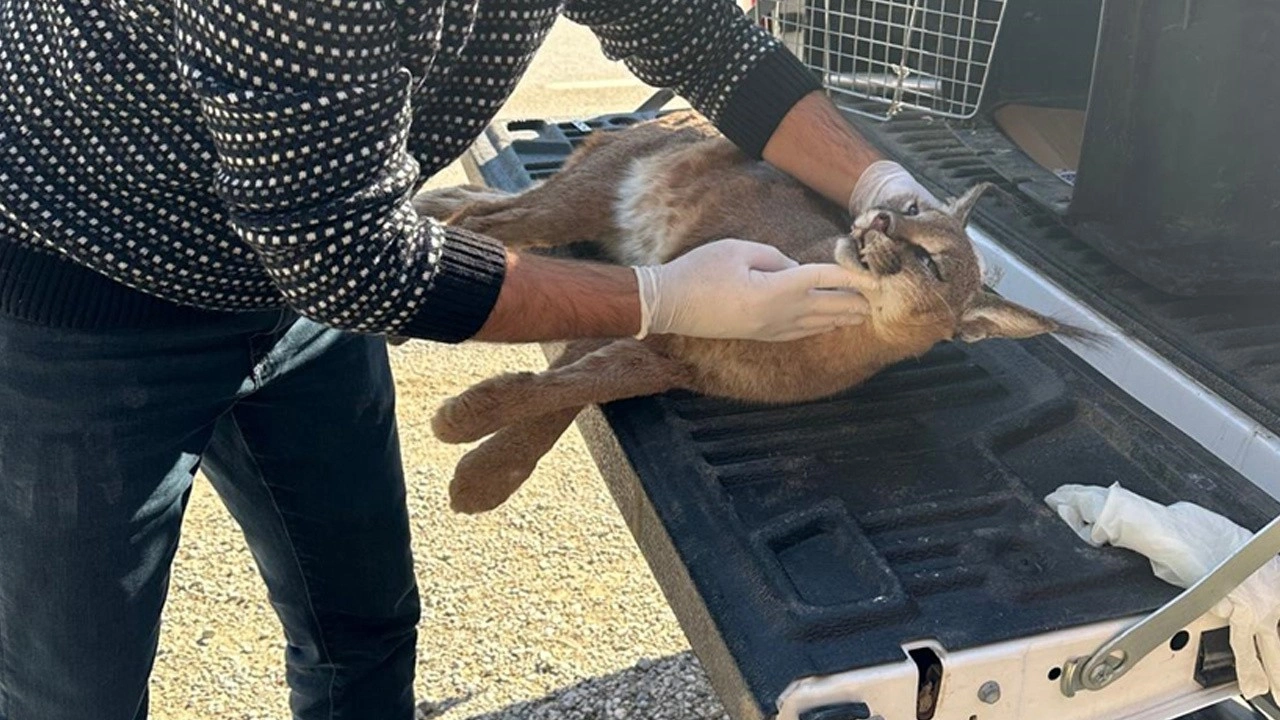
point(205, 228)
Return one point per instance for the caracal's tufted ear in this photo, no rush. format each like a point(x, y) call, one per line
point(961, 207)
point(991, 316)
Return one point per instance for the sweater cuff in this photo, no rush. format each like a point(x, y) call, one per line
point(763, 97)
point(462, 291)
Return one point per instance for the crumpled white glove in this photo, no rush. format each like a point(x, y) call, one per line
point(886, 184)
point(745, 290)
point(1184, 542)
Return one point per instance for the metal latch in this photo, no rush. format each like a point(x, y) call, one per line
point(1118, 655)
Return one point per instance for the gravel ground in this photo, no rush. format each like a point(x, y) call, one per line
point(673, 687)
point(541, 609)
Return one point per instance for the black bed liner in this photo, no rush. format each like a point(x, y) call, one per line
point(817, 538)
point(1231, 344)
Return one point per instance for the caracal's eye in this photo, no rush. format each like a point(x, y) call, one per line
point(927, 261)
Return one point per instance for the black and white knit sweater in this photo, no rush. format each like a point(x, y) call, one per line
point(160, 158)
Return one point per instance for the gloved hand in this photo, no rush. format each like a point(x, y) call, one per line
point(886, 184)
point(1184, 542)
point(738, 289)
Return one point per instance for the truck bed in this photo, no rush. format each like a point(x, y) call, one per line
point(813, 539)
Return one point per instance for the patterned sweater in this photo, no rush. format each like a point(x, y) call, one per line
point(164, 158)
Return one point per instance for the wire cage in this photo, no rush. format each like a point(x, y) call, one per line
point(893, 55)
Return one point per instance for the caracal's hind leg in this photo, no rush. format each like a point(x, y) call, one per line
point(621, 369)
point(492, 471)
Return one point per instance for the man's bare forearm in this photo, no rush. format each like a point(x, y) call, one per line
point(548, 299)
point(815, 145)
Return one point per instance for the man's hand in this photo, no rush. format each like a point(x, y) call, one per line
point(886, 184)
point(816, 145)
point(745, 290)
point(725, 289)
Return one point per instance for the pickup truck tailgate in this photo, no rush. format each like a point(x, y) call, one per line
point(802, 541)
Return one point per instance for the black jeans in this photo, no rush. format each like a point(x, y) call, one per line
point(101, 434)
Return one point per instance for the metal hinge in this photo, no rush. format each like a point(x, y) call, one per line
point(1119, 654)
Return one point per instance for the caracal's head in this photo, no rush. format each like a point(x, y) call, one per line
point(924, 277)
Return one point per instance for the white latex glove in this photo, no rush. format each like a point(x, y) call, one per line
point(1184, 542)
point(745, 290)
point(886, 184)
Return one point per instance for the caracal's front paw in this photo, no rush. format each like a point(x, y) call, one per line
point(443, 203)
point(514, 225)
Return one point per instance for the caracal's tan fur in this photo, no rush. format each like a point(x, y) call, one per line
point(650, 192)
